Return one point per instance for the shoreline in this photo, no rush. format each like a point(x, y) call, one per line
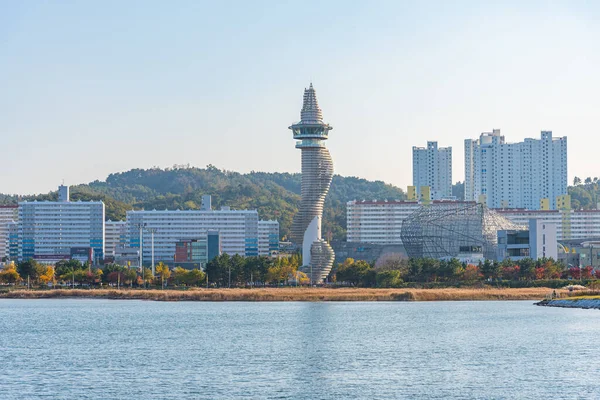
point(587, 303)
point(288, 294)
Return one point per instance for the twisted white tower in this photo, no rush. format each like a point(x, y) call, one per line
point(317, 172)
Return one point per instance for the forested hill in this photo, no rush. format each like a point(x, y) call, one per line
point(274, 195)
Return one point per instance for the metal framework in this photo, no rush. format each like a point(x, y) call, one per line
point(317, 172)
point(442, 230)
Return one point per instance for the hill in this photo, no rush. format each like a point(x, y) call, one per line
point(274, 195)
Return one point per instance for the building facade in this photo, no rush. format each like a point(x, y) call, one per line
point(48, 230)
point(115, 235)
point(432, 167)
point(192, 252)
point(196, 253)
point(268, 238)
point(538, 242)
point(238, 231)
point(8, 215)
point(377, 222)
point(515, 175)
point(317, 172)
point(570, 224)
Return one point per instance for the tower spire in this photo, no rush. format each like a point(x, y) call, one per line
point(311, 113)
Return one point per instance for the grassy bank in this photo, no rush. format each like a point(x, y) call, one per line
point(289, 294)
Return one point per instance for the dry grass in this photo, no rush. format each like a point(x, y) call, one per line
point(291, 294)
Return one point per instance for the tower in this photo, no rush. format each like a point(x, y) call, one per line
point(317, 172)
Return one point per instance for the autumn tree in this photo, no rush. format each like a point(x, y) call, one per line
point(48, 275)
point(9, 274)
point(164, 272)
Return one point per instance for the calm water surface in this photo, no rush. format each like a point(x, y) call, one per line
point(110, 349)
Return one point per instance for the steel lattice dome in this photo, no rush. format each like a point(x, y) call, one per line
point(442, 230)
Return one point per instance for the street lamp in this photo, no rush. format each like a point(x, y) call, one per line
point(152, 232)
point(141, 226)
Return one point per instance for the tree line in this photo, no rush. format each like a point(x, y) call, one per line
point(222, 271)
point(237, 271)
point(402, 272)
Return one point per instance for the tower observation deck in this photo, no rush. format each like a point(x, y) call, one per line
point(317, 172)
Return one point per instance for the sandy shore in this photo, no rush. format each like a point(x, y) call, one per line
point(290, 294)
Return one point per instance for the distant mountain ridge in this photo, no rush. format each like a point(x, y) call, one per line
point(274, 195)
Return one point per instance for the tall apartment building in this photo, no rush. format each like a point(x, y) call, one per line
point(238, 230)
point(515, 175)
point(8, 214)
point(268, 237)
point(115, 235)
point(432, 167)
point(48, 230)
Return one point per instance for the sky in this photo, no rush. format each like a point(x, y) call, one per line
point(89, 88)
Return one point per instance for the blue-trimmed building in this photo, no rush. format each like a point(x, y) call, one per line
point(47, 230)
point(238, 231)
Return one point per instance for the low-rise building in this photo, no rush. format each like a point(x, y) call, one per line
point(539, 241)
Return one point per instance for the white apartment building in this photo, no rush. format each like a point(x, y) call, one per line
point(379, 222)
point(238, 230)
point(48, 230)
point(515, 175)
point(432, 166)
point(115, 236)
point(570, 224)
point(8, 214)
point(268, 238)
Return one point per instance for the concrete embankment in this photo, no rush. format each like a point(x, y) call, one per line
point(571, 303)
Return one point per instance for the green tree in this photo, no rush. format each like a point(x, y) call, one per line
point(29, 268)
point(389, 279)
point(357, 273)
point(195, 277)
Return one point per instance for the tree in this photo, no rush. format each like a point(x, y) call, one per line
point(130, 276)
point(28, 269)
point(218, 269)
point(164, 272)
point(576, 181)
point(48, 275)
point(9, 274)
point(357, 273)
point(195, 277)
point(64, 267)
point(180, 274)
point(389, 279)
point(147, 275)
point(527, 270)
point(472, 274)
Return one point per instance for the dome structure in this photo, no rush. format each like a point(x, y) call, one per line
point(448, 229)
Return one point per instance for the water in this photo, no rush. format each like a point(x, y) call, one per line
point(109, 349)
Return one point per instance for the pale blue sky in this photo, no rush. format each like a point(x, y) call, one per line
point(93, 87)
